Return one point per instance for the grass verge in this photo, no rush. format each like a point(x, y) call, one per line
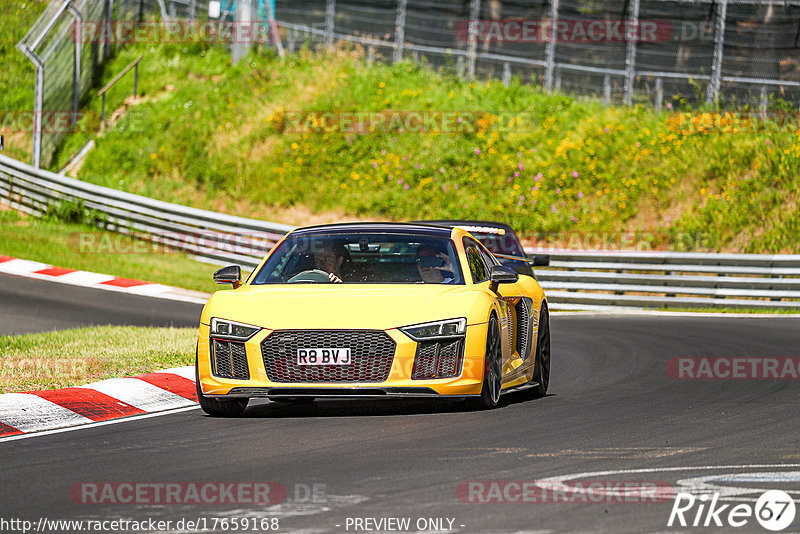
point(74, 357)
point(65, 244)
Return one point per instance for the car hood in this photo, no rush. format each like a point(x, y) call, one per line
point(312, 306)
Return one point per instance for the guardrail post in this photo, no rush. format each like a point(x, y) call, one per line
point(607, 90)
point(370, 55)
point(330, 19)
point(506, 74)
point(719, 43)
point(763, 103)
point(472, 48)
point(550, 50)
point(632, 36)
point(659, 94)
point(399, 30)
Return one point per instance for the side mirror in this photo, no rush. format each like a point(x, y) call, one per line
point(231, 274)
point(541, 260)
point(500, 274)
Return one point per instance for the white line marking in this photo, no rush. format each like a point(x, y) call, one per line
point(100, 423)
point(30, 413)
point(139, 394)
point(186, 372)
point(545, 482)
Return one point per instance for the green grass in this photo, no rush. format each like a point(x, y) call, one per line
point(74, 357)
point(81, 246)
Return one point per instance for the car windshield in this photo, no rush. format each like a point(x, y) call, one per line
point(362, 258)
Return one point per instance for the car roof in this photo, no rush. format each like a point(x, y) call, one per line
point(451, 223)
point(387, 227)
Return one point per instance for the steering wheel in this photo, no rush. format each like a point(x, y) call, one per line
point(313, 276)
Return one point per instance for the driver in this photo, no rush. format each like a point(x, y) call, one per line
point(433, 265)
point(326, 259)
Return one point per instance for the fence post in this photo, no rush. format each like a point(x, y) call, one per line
point(330, 17)
point(399, 30)
point(763, 103)
point(76, 63)
point(506, 74)
point(659, 94)
point(550, 50)
point(472, 48)
point(244, 16)
point(632, 36)
point(370, 55)
point(719, 43)
point(109, 26)
point(558, 81)
point(607, 90)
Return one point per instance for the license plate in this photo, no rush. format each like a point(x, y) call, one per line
point(316, 356)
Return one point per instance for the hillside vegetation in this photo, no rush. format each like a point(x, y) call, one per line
point(570, 172)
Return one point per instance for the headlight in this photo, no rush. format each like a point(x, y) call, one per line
point(436, 329)
point(232, 330)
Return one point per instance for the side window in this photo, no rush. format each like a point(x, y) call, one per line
point(477, 267)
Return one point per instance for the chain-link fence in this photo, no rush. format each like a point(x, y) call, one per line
point(67, 63)
point(666, 52)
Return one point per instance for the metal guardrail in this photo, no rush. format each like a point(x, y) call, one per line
point(576, 280)
point(672, 279)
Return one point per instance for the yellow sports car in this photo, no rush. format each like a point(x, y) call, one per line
point(373, 310)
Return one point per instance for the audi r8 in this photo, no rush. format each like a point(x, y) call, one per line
point(373, 310)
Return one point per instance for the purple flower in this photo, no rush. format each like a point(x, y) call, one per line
point(405, 187)
point(374, 164)
point(460, 120)
point(441, 170)
point(558, 190)
point(400, 181)
point(572, 218)
point(553, 208)
point(580, 194)
point(477, 151)
point(574, 174)
point(516, 174)
point(538, 177)
point(383, 151)
point(405, 158)
point(510, 179)
point(606, 130)
point(521, 166)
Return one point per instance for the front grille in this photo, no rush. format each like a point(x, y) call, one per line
point(523, 317)
point(437, 359)
point(229, 360)
point(372, 353)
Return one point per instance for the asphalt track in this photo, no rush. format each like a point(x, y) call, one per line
point(612, 406)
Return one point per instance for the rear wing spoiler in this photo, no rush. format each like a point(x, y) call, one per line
point(540, 260)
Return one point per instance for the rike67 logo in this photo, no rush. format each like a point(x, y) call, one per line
point(774, 510)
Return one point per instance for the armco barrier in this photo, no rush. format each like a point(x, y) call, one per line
point(574, 280)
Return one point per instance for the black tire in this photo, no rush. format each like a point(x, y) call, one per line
point(218, 407)
point(541, 366)
point(492, 371)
